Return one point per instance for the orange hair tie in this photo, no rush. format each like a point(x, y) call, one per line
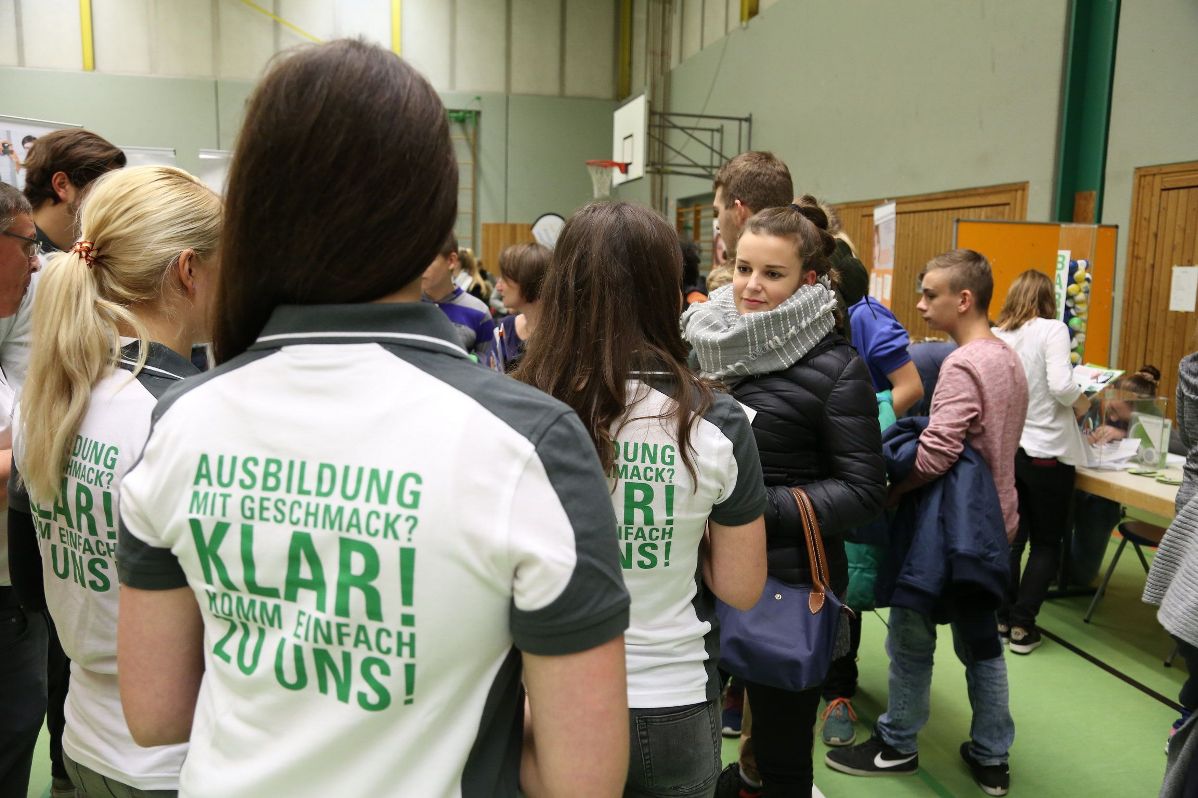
point(84, 249)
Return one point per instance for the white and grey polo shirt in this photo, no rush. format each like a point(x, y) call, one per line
point(77, 537)
point(374, 527)
point(662, 510)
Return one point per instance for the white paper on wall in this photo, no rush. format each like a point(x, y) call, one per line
point(1184, 292)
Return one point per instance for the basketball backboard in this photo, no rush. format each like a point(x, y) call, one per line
point(630, 125)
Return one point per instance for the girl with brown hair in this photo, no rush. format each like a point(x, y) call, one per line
point(683, 469)
point(771, 335)
point(314, 568)
point(522, 270)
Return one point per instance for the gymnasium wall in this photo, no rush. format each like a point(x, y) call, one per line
point(543, 47)
point(1153, 110)
point(170, 74)
point(865, 99)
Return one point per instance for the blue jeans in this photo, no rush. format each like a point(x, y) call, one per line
point(1094, 518)
point(675, 751)
point(911, 644)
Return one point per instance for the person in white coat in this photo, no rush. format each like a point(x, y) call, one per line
point(1048, 450)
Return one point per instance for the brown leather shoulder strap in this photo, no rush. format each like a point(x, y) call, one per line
point(816, 557)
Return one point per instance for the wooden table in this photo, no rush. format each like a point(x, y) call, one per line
point(1144, 497)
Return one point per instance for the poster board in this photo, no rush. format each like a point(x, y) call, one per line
point(1014, 247)
point(150, 156)
point(214, 169)
point(21, 133)
point(881, 277)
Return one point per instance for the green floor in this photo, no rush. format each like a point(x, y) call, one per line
point(1079, 729)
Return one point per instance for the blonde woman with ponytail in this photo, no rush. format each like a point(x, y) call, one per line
point(114, 320)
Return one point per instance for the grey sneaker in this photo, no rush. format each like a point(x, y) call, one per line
point(838, 723)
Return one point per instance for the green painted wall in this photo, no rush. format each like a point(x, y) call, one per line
point(531, 148)
point(1154, 110)
point(127, 110)
point(867, 99)
point(549, 139)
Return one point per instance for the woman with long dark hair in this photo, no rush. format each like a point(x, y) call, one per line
point(771, 336)
point(683, 468)
point(321, 585)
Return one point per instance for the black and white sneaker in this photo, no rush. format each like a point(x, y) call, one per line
point(1025, 641)
point(993, 779)
point(872, 758)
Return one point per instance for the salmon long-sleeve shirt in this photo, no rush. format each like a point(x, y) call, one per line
point(980, 398)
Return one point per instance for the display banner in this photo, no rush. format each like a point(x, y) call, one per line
point(881, 278)
point(17, 135)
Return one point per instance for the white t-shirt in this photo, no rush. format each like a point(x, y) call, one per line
point(661, 515)
point(77, 534)
point(372, 525)
point(1050, 429)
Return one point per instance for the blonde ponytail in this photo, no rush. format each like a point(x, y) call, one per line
point(135, 223)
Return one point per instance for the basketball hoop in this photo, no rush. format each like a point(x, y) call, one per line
point(601, 176)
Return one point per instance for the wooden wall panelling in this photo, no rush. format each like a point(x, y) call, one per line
point(924, 230)
point(1164, 234)
point(498, 236)
point(694, 222)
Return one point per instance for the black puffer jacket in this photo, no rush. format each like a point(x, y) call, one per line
point(817, 427)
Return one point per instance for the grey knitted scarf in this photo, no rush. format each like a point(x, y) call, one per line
point(731, 345)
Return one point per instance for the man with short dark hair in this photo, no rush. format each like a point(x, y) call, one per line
point(470, 315)
point(23, 642)
point(58, 169)
point(750, 182)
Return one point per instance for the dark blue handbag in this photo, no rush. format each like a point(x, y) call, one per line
point(791, 635)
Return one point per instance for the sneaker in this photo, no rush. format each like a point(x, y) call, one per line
point(838, 722)
point(1024, 641)
point(993, 779)
point(734, 705)
point(731, 784)
point(1176, 727)
point(1004, 631)
point(872, 758)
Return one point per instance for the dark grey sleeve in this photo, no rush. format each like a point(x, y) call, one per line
point(747, 500)
point(144, 566)
point(592, 607)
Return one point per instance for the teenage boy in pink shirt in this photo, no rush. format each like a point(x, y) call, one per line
point(980, 399)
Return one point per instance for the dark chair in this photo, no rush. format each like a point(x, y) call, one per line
point(1140, 535)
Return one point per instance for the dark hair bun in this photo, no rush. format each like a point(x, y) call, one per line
point(1150, 373)
point(809, 207)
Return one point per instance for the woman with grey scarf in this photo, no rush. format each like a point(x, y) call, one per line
point(771, 336)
